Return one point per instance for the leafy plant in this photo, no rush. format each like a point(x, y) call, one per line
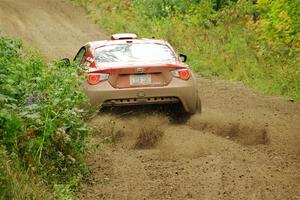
point(279, 22)
point(41, 114)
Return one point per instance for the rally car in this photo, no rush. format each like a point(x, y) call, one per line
point(128, 71)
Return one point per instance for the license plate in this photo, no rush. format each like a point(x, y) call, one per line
point(141, 79)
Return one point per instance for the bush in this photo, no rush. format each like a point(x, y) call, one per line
point(41, 117)
point(280, 21)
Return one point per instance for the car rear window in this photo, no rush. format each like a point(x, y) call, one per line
point(134, 52)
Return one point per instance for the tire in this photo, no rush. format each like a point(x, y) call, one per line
point(178, 114)
point(198, 108)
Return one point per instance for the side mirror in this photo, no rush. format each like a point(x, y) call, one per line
point(66, 61)
point(182, 58)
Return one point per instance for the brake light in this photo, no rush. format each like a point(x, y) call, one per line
point(183, 74)
point(94, 79)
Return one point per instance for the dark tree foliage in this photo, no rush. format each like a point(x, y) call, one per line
point(218, 4)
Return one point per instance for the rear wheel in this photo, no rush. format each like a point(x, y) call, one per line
point(179, 115)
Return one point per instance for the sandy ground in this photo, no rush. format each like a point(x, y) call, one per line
point(243, 146)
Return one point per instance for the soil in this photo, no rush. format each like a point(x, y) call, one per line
point(55, 27)
point(244, 145)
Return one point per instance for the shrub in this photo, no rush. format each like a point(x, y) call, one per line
point(41, 115)
point(280, 21)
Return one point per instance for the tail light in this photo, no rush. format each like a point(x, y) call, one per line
point(183, 74)
point(94, 79)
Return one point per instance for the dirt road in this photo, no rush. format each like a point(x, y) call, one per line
point(244, 146)
point(55, 27)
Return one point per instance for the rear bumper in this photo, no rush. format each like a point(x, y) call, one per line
point(176, 91)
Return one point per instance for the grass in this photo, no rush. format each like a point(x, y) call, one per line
point(17, 183)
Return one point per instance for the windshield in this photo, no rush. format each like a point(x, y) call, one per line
point(131, 53)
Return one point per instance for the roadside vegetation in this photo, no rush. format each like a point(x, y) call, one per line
point(43, 108)
point(42, 129)
point(253, 41)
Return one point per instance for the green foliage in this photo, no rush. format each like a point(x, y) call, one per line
point(220, 37)
point(218, 4)
point(280, 21)
point(63, 192)
point(41, 115)
point(15, 183)
point(165, 8)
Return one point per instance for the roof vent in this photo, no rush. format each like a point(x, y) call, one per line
point(123, 36)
